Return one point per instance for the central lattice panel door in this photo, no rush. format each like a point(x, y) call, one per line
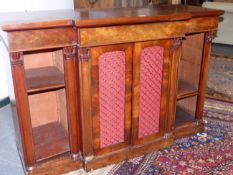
point(111, 89)
point(150, 89)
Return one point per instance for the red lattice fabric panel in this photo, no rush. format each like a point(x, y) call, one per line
point(112, 97)
point(151, 68)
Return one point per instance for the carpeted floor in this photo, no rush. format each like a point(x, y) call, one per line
point(210, 152)
point(220, 77)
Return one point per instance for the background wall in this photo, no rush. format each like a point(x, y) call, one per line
point(26, 5)
point(119, 3)
point(3, 81)
point(32, 5)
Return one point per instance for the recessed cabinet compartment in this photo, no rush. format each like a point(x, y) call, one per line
point(44, 78)
point(44, 71)
point(188, 79)
point(190, 65)
point(49, 123)
point(185, 111)
point(44, 74)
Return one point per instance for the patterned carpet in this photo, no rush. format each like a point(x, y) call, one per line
point(205, 153)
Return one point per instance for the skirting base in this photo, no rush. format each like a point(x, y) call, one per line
point(59, 165)
point(127, 153)
point(189, 129)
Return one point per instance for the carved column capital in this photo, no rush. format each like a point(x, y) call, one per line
point(176, 43)
point(209, 36)
point(69, 52)
point(84, 54)
point(16, 58)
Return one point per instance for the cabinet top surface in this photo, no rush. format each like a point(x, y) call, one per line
point(101, 17)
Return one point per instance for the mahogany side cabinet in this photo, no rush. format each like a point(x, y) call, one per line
point(94, 87)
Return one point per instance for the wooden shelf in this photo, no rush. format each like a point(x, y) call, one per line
point(183, 117)
point(50, 140)
point(44, 79)
point(186, 89)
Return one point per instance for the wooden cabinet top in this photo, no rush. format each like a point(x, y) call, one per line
point(101, 17)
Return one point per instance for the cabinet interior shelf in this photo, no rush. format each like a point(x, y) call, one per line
point(183, 117)
point(185, 90)
point(50, 140)
point(44, 79)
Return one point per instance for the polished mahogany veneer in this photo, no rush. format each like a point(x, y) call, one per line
point(95, 87)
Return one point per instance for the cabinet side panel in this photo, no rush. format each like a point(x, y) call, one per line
point(112, 97)
point(150, 90)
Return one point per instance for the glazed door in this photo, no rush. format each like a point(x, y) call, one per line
point(150, 90)
point(111, 86)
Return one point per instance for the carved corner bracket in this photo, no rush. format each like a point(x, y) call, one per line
point(16, 58)
point(69, 52)
point(209, 36)
point(176, 43)
point(84, 54)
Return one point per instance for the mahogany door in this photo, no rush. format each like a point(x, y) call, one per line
point(150, 90)
point(111, 86)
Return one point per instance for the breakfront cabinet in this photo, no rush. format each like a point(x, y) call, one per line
point(92, 88)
